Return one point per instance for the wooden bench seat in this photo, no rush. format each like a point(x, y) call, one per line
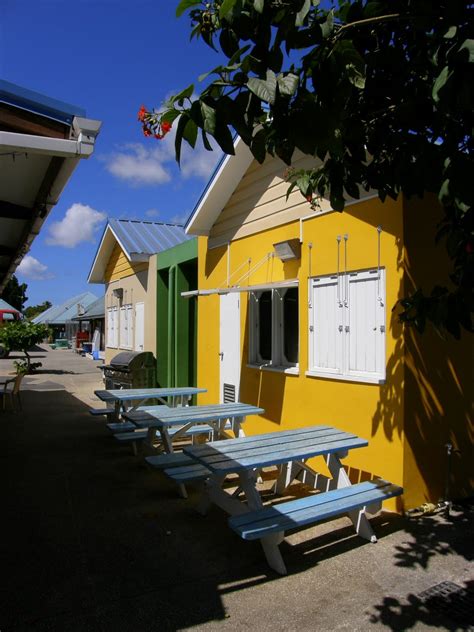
point(121, 426)
point(96, 412)
point(188, 473)
point(163, 461)
point(138, 435)
point(304, 511)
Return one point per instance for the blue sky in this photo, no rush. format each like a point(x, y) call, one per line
point(108, 57)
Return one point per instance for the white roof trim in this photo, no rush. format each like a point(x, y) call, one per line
point(220, 188)
point(82, 147)
point(275, 285)
point(101, 259)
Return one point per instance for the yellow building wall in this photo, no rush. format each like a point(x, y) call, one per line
point(119, 267)
point(372, 411)
point(439, 376)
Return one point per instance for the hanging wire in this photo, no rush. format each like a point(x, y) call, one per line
point(245, 263)
point(258, 265)
point(346, 280)
point(379, 232)
point(338, 239)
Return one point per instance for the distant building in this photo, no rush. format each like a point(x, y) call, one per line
point(57, 317)
point(126, 262)
point(93, 322)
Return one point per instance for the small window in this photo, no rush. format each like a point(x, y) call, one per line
point(8, 316)
point(274, 328)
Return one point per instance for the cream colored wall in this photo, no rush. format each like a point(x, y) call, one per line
point(259, 202)
point(150, 306)
point(373, 411)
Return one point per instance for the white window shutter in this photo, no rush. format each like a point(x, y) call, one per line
point(327, 326)
point(365, 337)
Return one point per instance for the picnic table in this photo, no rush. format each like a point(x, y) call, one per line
point(159, 419)
point(175, 423)
point(289, 451)
point(174, 396)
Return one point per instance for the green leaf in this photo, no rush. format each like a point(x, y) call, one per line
point(258, 5)
point(258, 146)
point(190, 133)
point(327, 26)
point(183, 120)
point(226, 7)
point(444, 191)
point(303, 183)
point(170, 116)
point(265, 90)
point(205, 141)
point(224, 139)
point(209, 118)
point(186, 93)
point(468, 44)
point(440, 82)
point(287, 84)
point(451, 32)
point(184, 5)
point(302, 13)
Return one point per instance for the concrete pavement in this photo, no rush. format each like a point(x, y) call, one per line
point(94, 540)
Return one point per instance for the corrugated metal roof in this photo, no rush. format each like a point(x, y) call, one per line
point(37, 103)
point(95, 310)
point(59, 314)
point(147, 238)
point(5, 305)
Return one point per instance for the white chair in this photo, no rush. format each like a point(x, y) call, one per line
point(11, 391)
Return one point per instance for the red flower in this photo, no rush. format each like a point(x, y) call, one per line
point(142, 112)
point(146, 132)
point(309, 198)
point(158, 136)
point(165, 127)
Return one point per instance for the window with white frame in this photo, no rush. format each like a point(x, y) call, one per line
point(112, 327)
point(274, 328)
point(126, 326)
point(347, 326)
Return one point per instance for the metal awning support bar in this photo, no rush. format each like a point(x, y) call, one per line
point(247, 288)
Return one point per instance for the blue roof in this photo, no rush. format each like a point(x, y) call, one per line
point(37, 103)
point(5, 305)
point(147, 238)
point(59, 314)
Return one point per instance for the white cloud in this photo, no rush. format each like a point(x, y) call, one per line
point(180, 218)
point(152, 212)
point(138, 164)
point(154, 163)
point(79, 224)
point(31, 268)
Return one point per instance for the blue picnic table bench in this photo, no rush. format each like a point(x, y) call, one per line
point(289, 451)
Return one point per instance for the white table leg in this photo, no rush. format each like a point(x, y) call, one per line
point(358, 517)
point(168, 446)
point(270, 542)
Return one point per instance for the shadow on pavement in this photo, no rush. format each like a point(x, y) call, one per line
point(98, 541)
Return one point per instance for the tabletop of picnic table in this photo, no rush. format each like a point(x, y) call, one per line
point(149, 417)
point(109, 395)
point(244, 453)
